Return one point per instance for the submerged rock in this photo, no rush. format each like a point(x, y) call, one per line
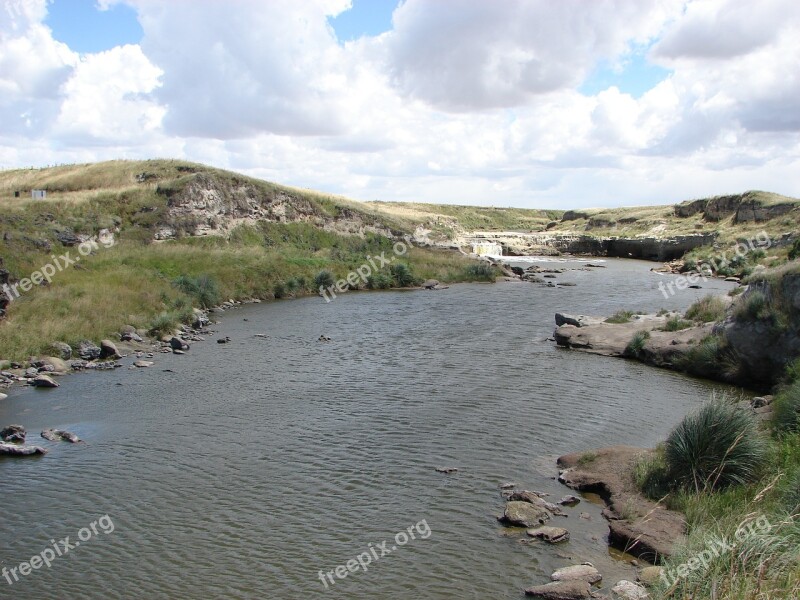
point(59, 435)
point(561, 590)
point(552, 535)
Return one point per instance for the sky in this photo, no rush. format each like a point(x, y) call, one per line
point(529, 103)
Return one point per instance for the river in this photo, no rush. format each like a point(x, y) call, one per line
point(243, 470)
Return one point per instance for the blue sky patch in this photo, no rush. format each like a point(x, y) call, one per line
point(366, 17)
point(82, 26)
point(636, 77)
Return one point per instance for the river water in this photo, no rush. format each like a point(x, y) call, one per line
point(243, 470)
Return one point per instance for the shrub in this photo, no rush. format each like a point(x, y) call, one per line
point(706, 310)
point(636, 345)
point(162, 324)
point(794, 251)
point(787, 409)
point(379, 281)
point(622, 316)
point(402, 275)
point(676, 324)
point(716, 446)
point(752, 307)
point(480, 272)
point(651, 476)
point(291, 286)
point(323, 279)
point(203, 289)
point(279, 290)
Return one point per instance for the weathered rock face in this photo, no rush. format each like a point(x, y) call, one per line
point(212, 205)
point(655, 248)
point(721, 207)
point(764, 348)
point(690, 208)
point(753, 210)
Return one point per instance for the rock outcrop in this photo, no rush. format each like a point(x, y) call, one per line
point(636, 525)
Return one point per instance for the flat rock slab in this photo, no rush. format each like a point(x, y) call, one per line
point(552, 535)
point(653, 532)
point(15, 450)
point(59, 435)
point(561, 590)
point(143, 364)
point(525, 514)
point(44, 381)
point(584, 572)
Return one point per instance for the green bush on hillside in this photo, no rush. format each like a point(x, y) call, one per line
point(794, 251)
point(379, 281)
point(402, 276)
point(714, 447)
point(324, 279)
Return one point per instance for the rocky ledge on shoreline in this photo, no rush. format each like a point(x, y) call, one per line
point(659, 348)
point(637, 525)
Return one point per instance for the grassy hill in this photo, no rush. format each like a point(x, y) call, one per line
point(234, 236)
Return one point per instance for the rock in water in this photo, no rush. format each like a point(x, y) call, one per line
point(561, 590)
point(552, 535)
point(143, 363)
point(59, 435)
point(44, 381)
point(585, 572)
point(446, 470)
point(525, 514)
point(13, 434)
point(14, 450)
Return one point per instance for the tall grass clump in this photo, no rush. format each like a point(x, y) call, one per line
point(676, 324)
point(480, 272)
point(636, 345)
point(203, 288)
point(323, 279)
point(621, 316)
point(714, 447)
point(787, 409)
point(707, 310)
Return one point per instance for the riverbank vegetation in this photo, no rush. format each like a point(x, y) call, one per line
point(153, 284)
point(739, 486)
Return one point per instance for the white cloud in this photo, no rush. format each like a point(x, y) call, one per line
point(467, 102)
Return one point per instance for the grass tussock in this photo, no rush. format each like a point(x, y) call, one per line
point(710, 309)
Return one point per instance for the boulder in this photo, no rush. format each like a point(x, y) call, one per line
point(536, 499)
point(52, 364)
point(525, 514)
point(108, 349)
point(585, 572)
point(565, 319)
point(561, 590)
point(44, 381)
point(430, 284)
point(59, 435)
point(3, 396)
point(628, 590)
point(569, 500)
point(552, 535)
point(88, 351)
point(14, 434)
point(62, 350)
point(15, 450)
point(177, 343)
